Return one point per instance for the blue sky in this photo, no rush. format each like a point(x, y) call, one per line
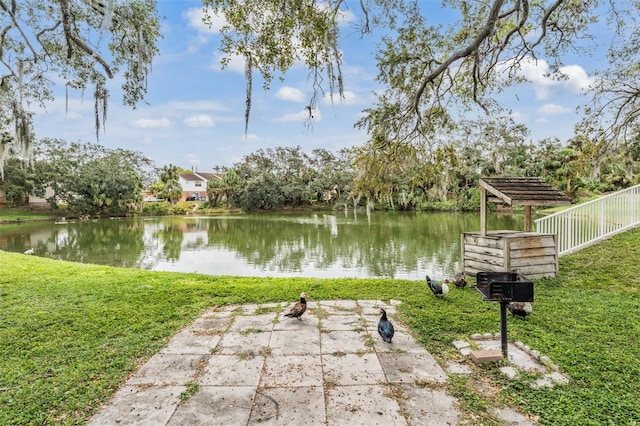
point(195, 112)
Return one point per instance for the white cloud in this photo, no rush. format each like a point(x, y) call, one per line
point(236, 63)
point(571, 78)
point(151, 123)
point(251, 137)
point(517, 116)
point(290, 94)
point(195, 106)
point(299, 116)
point(200, 120)
point(344, 17)
point(534, 70)
point(553, 109)
point(71, 108)
point(195, 17)
point(350, 98)
point(578, 79)
point(147, 141)
point(193, 158)
point(72, 115)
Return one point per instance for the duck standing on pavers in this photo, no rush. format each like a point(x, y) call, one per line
point(299, 308)
point(520, 309)
point(385, 328)
point(439, 289)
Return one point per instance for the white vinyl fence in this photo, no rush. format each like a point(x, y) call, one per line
point(594, 221)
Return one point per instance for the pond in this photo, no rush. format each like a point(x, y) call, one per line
point(323, 245)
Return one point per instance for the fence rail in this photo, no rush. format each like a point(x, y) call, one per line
point(588, 223)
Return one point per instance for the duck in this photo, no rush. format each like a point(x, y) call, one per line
point(460, 281)
point(385, 327)
point(520, 309)
point(298, 309)
point(439, 289)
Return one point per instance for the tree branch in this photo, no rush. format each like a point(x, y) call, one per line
point(72, 39)
point(11, 13)
point(545, 21)
point(100, 8)
point(486, 31)
point(363, 7)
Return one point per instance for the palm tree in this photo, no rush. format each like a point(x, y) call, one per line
point(171, 190)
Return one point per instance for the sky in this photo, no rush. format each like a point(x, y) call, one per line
point(194, 111)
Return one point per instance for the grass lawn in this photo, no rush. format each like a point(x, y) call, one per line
point(70, 334)
point(15, 214)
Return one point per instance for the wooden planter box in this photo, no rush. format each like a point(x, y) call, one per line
point(531, 254)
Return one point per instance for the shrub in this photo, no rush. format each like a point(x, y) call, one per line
point(156, 208)
point(178, 210)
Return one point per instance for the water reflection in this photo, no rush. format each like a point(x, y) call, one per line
point(380, 244)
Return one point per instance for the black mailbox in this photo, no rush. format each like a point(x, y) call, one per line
point(504, 287)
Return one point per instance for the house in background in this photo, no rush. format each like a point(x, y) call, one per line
point(35, 201)
point(194, 185)
point(30, 200)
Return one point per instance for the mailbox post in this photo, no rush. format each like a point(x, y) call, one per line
point(504, 287)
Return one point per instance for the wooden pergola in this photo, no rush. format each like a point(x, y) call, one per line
point(524, 191)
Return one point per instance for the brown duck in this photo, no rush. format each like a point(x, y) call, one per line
point(520, 309)
point(460, 280)
point(299, 308)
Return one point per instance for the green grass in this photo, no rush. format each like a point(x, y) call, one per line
point(71, 333)
point(17, 214)
point(192, 387)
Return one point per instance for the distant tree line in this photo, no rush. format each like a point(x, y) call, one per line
point(422, 177)
point(85, 177)
point(91, 179)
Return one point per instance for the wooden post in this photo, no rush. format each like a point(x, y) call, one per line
point(464, 268)
point(527, 218)
point(483, 211)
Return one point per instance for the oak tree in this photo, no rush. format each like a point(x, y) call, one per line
point(80, 42)
point(432, 71)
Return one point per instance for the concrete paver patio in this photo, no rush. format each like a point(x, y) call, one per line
point(248, 365)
